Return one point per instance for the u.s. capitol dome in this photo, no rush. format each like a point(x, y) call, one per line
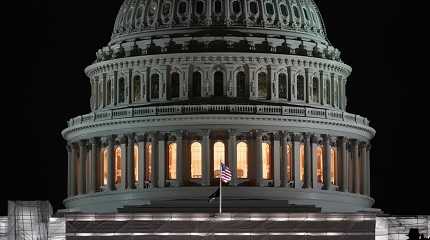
point(184, 85)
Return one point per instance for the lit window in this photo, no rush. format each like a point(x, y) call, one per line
point(136, 163)
point(333, 168)
point(172, 161)
point(290, 163)
point(219, 156)
point(105, 167)
point(267, 161)
point(148, 162)
point(320, 170)
point(242, 160)
point(196, 160)
point(302, 162)
point(118, 165)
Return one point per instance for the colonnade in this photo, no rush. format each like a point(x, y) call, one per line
point(264, 159)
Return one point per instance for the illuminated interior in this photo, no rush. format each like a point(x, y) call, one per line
point(219, 156)
point(196, 160)
point(320, 169)
point(333, 168)
point(290, 163)
point(148, 162)
point(267, 161)
point(242, 160)
point(118, 165)
point(105, 166)
point(172, 161)
point(302, 162)
point(136, 162)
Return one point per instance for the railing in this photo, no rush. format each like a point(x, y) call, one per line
point(213, 109)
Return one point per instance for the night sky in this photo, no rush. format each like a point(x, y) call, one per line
point(376, 38)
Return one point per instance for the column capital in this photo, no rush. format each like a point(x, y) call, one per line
point(232, 132)
point(297, 137)
point(130, 137)
point(122, 139)
point(205, 132)
point(363, 145)
point(69, 147)
point(315, 139)
point(277, 136)
point(307, 135)
point(180, 134)
point(94, 141)
point(140, 138)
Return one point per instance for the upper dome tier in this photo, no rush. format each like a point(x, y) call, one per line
point(289, 19)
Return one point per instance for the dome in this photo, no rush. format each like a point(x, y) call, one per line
point(140, 19)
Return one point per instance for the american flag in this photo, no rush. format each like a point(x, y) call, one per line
point(225, 173)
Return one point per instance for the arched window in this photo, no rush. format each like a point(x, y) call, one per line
point(200, 7)
point(284, 10)
point(263, 90)
point(302, 162)
point(218, 84)
point(155, 86)
point(196, 160)
point(219, 157)
point(136, 163)
point(105, 167)
point(172, 161)
point(182, 8)
point(197, 84)
point(241, 85)
point(148, 162)
point(242, 160)
point(270, 10)
point(320, 169)
point(121, 90)
point(174, 85)
point(218, 6)
point(236, 7)
point(300, 88)
point(283, 88)
point(267, 161)
point(253, 7)
point(136, 88)
point(108, 92)
point(289, 163)
point(118, 172)
point(315, 89)
point(328, 91)
point(333, 166)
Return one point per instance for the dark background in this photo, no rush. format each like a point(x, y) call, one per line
point(377, 38)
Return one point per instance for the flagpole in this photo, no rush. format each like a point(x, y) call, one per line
point(220, 189)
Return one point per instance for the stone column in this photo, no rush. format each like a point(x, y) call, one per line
point(276, 159)
point(259, 159)
point(253, 81)
point(297, 140)
point(154, 160)
point(314, 142)
point(356, 162)
point(206, 165)
point(327, 163)
point(70, 169)
point(130, 162)
point(179, 159)
point(308, 161)
point(82, 166)
point(232, 156)
point(363, 168)
point(140, 139)
point(95, 153)
point(161, 160)
point(284, 160)
point(343, 160)
point(111, 164)
point(368, 168)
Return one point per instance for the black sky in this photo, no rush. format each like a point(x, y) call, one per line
point(377, 38)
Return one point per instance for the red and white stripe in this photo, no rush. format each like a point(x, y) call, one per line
point(225, 173)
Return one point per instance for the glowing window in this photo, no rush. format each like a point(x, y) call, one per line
point(333, 167)
point(172, 161)
point(136, 162)
point(320, 170)
point(242, 160)
point(289, 163)
point(302, 162)
point(118, 165)
point(267, 161)
point(148, 162)
point(196, 160)
point(105, 167)
point(262, 85)
point(219, 156)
